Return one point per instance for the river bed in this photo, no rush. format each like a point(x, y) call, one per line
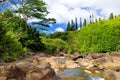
point(75, 73)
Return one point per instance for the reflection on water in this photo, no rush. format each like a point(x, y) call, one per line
point(76, 74)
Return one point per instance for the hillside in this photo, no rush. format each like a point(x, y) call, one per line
point(102, 36)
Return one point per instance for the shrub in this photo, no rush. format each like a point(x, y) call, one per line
point(54, 45)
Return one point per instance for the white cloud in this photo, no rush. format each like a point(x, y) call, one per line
point(59, 29)
point(65, 10)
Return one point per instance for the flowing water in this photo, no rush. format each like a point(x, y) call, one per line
point(74, 74)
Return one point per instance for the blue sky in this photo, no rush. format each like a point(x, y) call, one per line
point(66, 10)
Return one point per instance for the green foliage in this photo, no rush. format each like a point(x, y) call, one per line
point(61, 35)
point(54, 45)
point(32, 40)
point(72, 26)
point(33, 9)
point(10, 48)
point(101, 36)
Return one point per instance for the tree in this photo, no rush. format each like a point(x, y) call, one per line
point(85, 22)
point(10, 47)
point(99, 19)
point(72, 25)
point(30, 9)
point(76, 24)
point(80, 22)
point(68, 27)
point(96, 20)
point(111, 16)
point(90, 19)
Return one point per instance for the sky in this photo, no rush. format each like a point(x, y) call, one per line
point(66, 10)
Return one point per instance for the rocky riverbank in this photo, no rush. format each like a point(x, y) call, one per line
point(24, 70)
point(45, 67)
point(106, 65)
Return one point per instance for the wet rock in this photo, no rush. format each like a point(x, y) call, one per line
point(76, 55)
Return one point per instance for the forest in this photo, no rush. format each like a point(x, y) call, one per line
point(18, 38)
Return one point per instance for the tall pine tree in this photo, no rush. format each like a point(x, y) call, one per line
point(76, 24)
point(85, 22)
point(90, 19)
point(68, 27)
point(80, 23)
point(111, 16)
point(72, 25)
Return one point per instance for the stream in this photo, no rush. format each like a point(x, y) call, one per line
point(75, 73)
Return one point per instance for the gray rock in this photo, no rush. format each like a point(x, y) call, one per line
point(76, 55)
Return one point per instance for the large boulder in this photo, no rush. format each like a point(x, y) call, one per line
point(76, 55)
point(102, 59)
point(27, 71)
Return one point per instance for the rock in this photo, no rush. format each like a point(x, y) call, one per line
point(72, 78)
point(71, 64)
point(27, 71)
point(62, 53)
point(95, 55)
point(87, 71)
point(115, 54)
point(76, 55)
point(110, 65)
point(2, 62)
point(111, 75)
point(39, 55)
point(13, 72)
point(85, 62)
point(3, 78)
point(103, 59)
